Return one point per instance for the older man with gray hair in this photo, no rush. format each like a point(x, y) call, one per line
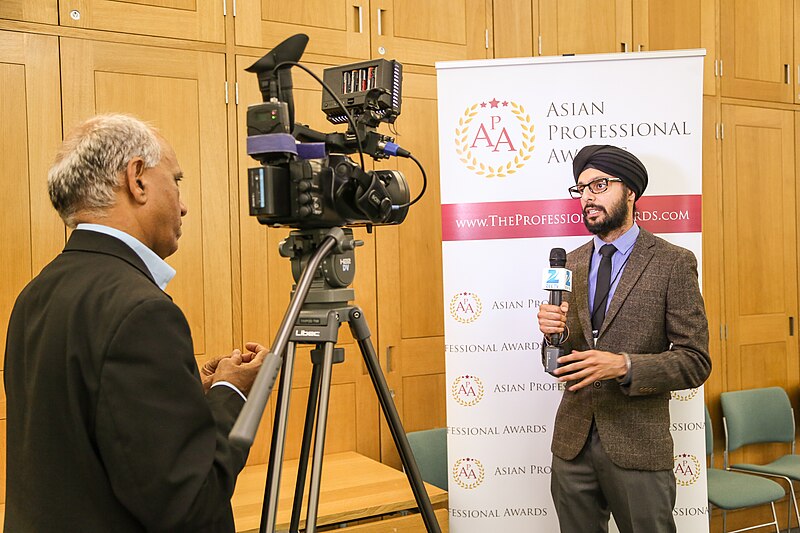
point(110, 425)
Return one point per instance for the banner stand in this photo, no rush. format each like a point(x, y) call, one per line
point(509, 129)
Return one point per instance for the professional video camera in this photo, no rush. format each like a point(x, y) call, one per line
point(314, 187)
point(313, 183)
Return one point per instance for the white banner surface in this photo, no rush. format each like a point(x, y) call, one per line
point(508, 130)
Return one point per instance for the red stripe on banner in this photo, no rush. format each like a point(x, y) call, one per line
point(560, 218)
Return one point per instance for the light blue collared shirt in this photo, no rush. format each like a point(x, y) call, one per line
point(162, 273)
point(624, 245)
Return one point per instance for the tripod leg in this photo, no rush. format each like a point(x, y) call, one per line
point(302, 466)
point(319, 439)
point(360, 330)
point(269, 513)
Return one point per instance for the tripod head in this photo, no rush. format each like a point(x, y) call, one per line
point(331, 282)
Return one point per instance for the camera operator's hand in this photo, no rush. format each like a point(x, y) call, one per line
point(240, 368)
point(208, 369)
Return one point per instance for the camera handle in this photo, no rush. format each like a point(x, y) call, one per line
point(318, 317)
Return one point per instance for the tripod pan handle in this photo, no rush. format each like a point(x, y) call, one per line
point(244, 430)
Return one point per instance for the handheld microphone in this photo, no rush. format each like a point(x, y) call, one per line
point(555, 279)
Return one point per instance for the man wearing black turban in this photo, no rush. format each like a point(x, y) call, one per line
point(636, 331)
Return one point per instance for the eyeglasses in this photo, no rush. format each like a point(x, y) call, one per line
point(598, 186)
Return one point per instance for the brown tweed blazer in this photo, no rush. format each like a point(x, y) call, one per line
point(657, 317)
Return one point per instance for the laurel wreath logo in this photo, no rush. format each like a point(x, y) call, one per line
point(684, 395)
point(474, 401)
point(454, 307)
point(472, 484)
point(489, 171)
point(681, 479)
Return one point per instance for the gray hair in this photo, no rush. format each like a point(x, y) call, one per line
point(85, 174)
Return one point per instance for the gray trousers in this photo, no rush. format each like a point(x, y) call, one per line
point(588, 488)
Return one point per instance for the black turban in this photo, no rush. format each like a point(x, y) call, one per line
point(614, 161)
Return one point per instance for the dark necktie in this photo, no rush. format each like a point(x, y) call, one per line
point(602, 287)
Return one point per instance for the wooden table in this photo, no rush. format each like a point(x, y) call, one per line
point(354, 487)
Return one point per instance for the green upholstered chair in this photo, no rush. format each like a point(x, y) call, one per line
point(430, 451)
point(734, 490)
point(762, 415)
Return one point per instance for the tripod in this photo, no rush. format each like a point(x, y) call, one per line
point(319, 305)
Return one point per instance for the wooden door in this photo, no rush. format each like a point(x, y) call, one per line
point(265, 291)
point(676, 25)
point(760, 209)
point(45, 11)
point(182, 19)
point(421, 32)
point(756, 49)
point(585, 26)
point(410, 306)
point(335, 27)
point(30, 132)
point(182, 93)
point(516, 28)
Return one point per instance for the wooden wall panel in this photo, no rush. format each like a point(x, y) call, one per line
point(676, 25)
point(421, 32)
point(336, 27)
point(516, 31)
point(585, 26)
point(45, 11)
point(182, 19)
point(756, 40)
point(104, 77)
point(31, 233)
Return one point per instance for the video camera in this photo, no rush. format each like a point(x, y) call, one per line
point(306, 179)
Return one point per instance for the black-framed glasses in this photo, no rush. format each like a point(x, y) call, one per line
point(598, 186)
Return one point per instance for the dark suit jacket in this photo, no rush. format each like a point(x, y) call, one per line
point(108, 426)
point(657, 317)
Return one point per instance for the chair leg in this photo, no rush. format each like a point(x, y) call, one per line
point(789, 512)
point(775, 517)
point(793, 500)
point(724, 522)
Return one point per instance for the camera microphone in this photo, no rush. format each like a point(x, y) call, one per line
point(555, 279)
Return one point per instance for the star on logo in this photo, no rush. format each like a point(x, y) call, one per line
point(505, 104)
point(483, 104)
point(493, 102)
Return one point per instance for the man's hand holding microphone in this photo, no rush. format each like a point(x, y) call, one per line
point(584, 367)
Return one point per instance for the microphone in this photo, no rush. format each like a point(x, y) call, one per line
point(555, 279)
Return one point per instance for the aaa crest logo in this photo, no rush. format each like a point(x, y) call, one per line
point(465, 307)
point(687, 469)
point(494, 139)
point(684, 395)
point(467, 390)
point(468, 473)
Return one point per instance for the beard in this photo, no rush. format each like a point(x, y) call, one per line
point(614, 218)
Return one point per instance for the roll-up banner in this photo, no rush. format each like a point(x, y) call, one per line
point(508, 130)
